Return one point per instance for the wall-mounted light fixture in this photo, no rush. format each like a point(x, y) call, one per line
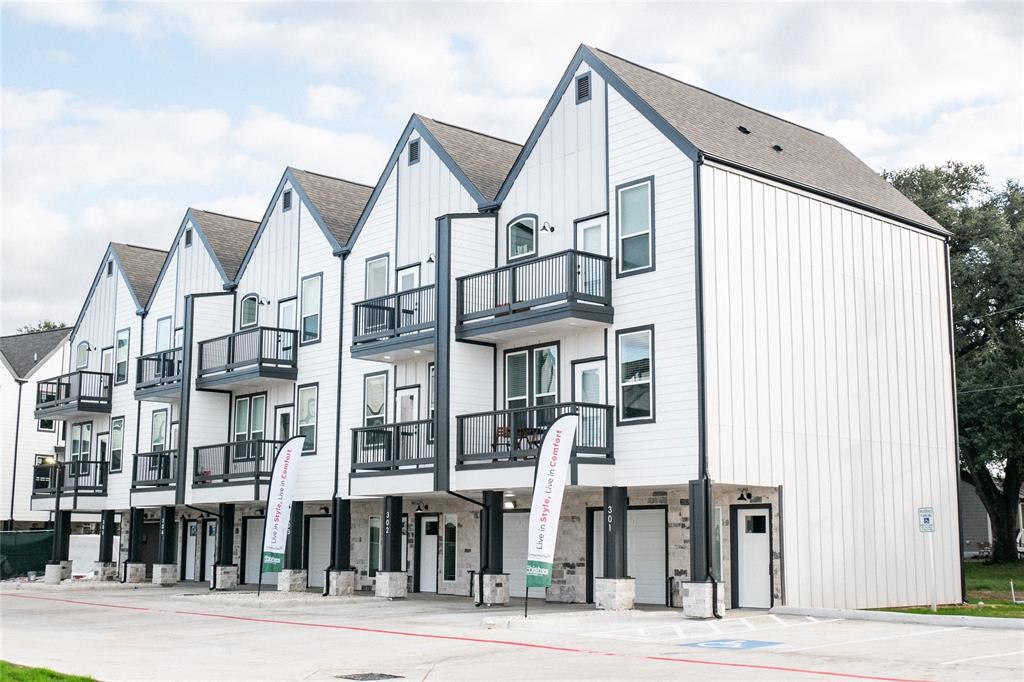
point(547, 227)
point(430, 258)
point(745, 496)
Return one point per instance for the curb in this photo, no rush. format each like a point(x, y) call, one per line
point(896, 617)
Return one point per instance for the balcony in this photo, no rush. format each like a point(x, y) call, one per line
point(155, 470)
point(248, 359)
point(571, 288)
point(404, 448)
point(77, 478)
point(513, 437)
point(158, 376)
point(75, 395)
point(394, 327)
point(240, 463)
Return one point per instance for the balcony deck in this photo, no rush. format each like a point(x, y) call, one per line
point(158, 376)
point(76, 479)
point(74, 395)
point(395, 327)
point(402, 448)
point(248, 359)
point(570, 288)
point(245, 466)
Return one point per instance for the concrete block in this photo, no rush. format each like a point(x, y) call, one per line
point(165, 574)
point(225, 577)
point(341, 583)
point(391, 585)
point(65, 570)
point(105, 571)
point(54, 574)
point(697, 599)
point(614, 594)
point(291, 580)
point(496, 589)
point(136, 573)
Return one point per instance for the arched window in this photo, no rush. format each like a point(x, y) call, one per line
point(82, 355)
point(522, 237)
point(250, 311)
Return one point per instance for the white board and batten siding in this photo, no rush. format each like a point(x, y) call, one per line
point(828, 373)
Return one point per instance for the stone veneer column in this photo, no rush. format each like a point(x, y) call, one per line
point(165, 570)
point(292, 577)
point(391, 581)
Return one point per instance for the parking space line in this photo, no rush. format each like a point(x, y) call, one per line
point(979, 658)
point(870, 639)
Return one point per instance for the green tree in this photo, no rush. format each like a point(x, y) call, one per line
point(40, 326)
point(987, 269)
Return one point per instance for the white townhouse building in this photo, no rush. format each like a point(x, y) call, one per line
point(752, 325)
point(25, 440)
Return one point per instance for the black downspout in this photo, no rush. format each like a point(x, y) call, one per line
point(956, 421)
point(14, 465)
point(341, 255)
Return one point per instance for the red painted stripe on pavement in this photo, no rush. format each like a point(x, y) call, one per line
point(481, 640)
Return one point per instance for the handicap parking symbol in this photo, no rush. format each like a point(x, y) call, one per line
point(733, 644)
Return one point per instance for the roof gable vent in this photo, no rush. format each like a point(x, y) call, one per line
point(414, 151)
point(743, 129)
point(583, 88)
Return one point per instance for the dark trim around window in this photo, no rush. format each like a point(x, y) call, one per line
point(508, 238)
point(319, 312)
point(296, 408)
point(618, 384)
point(618, 233)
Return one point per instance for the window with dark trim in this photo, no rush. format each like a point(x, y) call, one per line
point(188, 237)
point(249, 315)
point(312, 293)
point(47, 425)
point(635, 356)
point(375, 396)
point(376, 284)
point(286, 200)
point(306, 405)
point(158, 431)
point(121, 340)
point(373, 546)
point(583, 88)
point(522, 237)
point(450, 549)
point(116, 443)
point(110, 268)
point(635, 213)
point(82, 355)
point(414, 151)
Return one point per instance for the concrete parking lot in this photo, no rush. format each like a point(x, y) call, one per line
point(119, 633)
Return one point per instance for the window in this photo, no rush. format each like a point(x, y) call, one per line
point(312, 287)
point(376, 277)
point(307, 404)
point(636, 375)
point(82, 355)
point(375, 391)
point(110, 268)
point(250, 311)
point(636, 226)
point(373, 543)
point(414, 152)
point(451, 527)
point(522, 237)
point(583, 88)
point(188, 237)
point(716, 545)
point(158, 434)
point(121, 356)
point(249, 424)
point(81, 446)
point(45, 425)
point(163, 333)
point(431, 399)
point(286, 200)
point(116, 443)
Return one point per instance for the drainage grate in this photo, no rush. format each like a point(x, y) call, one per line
point(369, 677)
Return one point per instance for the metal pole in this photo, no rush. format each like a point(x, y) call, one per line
point(57, 529)
point(931, 573)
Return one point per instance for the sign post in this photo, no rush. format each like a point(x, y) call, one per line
point(926, 524)
point(279, 507)
point(546, 507)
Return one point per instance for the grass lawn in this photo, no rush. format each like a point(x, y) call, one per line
point(17, 673)
point(988, 592)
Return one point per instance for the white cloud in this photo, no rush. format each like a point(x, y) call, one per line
point(331, 101)
point(27, 110)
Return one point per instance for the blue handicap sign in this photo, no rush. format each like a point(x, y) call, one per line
point(733, 644)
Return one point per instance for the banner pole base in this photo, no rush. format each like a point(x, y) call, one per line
point(526, 603)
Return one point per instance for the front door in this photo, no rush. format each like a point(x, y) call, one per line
point(286, 320)
point(192, 543)
point(753, 556)
point(409, 304)
point(210, 548)
point(590, 238)
point(283, 422)
point(102, 447)
point(427, 539)
point(107, 360)
point(531, 380)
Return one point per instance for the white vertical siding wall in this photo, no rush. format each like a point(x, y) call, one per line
point(195, 272)
point(272, 271)
point(123, 396)
point(828, 373)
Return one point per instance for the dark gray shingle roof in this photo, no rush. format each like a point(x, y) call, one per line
point(141, 267)
point(339, 202)
point(807, 158)
point(24, 352)
point(485, 160)
point(229, 237)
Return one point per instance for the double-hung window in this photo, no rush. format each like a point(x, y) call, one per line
point(522, 237)
point(636, 375)
point(81, 446)
point(121, 356)
point(307, 405)
point(158, 433)
point(375, 389)
point(312, 289)
point(636, 226)
point(116, 443)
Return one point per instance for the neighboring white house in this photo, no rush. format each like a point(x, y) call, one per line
point(24, 359)
point(752, 326)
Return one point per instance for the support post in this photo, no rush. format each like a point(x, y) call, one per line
point(165, 570)
point(293, 544)
point(106, 555)
point(613, 526)
point(135, 570)
point(391, 581)
point(491, 532)
point(62, 540)
point(341, 527)
point(226, 535)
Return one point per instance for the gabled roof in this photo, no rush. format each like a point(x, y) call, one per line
point(227, 236)
point(339, 202)
point(141, 266)
point(23, 353)
point(485, 159)
point(705, 125)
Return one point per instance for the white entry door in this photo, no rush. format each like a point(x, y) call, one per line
point(210, 551)
point(645, 553)
point(254, 554)
point(318, 556)
point(427, 537)
point(588, 387)
point(515, 531)
point(191, 549)
point(407, 410)
point(753, 559)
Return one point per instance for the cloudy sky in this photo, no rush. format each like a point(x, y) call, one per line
point(117, 117)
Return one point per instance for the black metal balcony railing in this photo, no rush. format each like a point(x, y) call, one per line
point(391, 447)
point(244, 461)
point(77, 477)
point(155, 469)
point(386, 317)
point(565, 277)
point(256, 347)
point(82, 389)
point(515, 434)
point(158, 369)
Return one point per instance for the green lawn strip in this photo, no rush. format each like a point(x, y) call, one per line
point(988, 592)
point(10, 672)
